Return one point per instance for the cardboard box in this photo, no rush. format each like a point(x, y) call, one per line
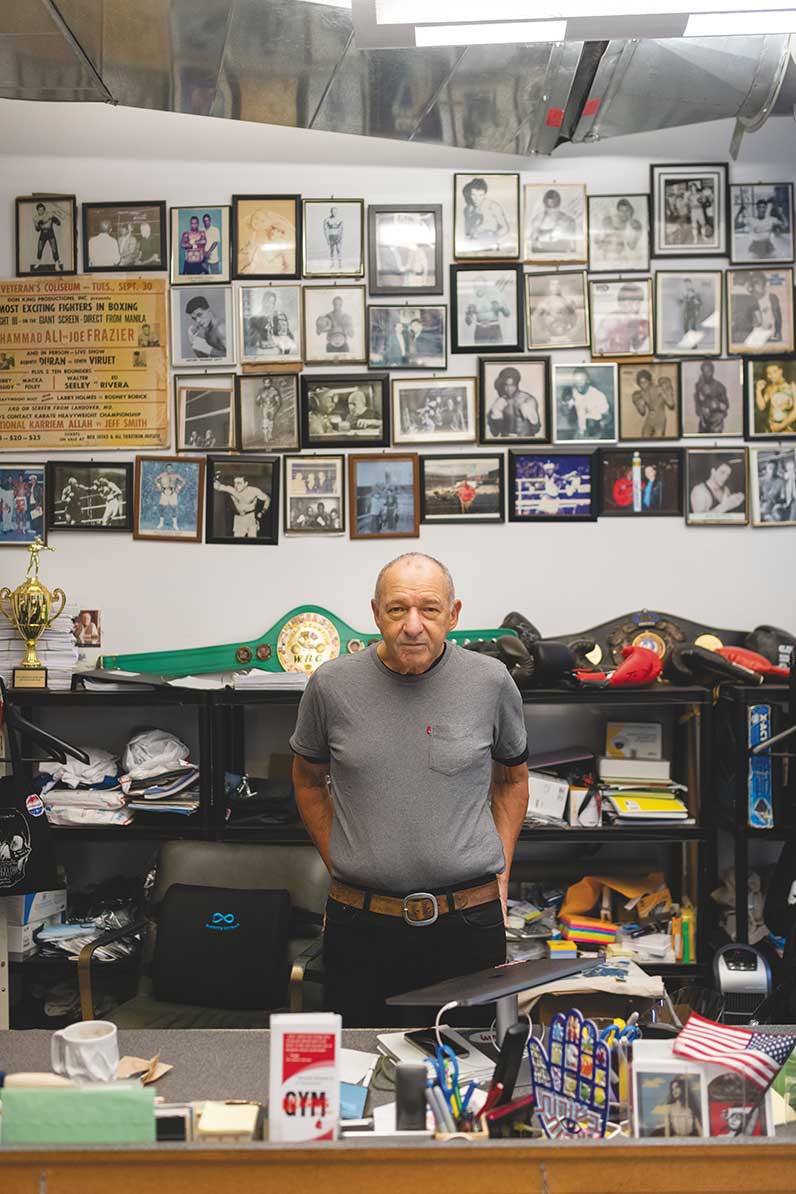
point(22, 909)
point(20, 937)
point(634, 740)
point(547, 794)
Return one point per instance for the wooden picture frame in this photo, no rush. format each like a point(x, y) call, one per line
point(376, 505)
point(162, 499)
point(314, 497)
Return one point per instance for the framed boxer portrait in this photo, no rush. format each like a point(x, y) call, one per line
point(314, 495)
point(515, 400)
point(712, 398)
point(619, 234)
point(773, 483)
point(771, 398)
point(242, 500)
point(621, 318)
point(649, 401)
point(267, 412)
point(46, 235)
point(486, 308)
point(716, 487)
point(169, 493)
point(759, 310)
point(556, 310)
point(486, 216)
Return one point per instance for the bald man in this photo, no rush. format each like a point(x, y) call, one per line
point(411, 777)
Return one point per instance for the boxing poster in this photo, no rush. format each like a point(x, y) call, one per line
point(83, 363)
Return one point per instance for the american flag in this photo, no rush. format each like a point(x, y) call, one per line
point(758, 1056)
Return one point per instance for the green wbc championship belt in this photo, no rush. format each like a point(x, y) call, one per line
point(299, 642)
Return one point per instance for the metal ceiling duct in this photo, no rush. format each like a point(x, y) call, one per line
point(292, 63)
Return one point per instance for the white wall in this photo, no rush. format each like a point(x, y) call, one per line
point(158, 595)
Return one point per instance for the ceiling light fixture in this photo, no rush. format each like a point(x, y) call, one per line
point(487, 34)
point(424, 12)
point(735, 24)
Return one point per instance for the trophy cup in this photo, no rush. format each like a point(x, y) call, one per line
point(31, 613)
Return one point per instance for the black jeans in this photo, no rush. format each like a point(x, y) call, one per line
point(368, 957)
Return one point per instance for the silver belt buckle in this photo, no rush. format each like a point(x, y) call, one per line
point(420, 895)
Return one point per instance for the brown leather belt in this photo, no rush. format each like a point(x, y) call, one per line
point(419, 907)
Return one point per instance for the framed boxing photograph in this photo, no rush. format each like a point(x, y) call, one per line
point(202, 326)
point(552, 486)
point(95, 496)
point(717, 487)
point(266, 236)
point(200, 245)
point(515, 400)
point(205, 412)
point(773, 473)
point(621, 318)
point(169, 497)
point(761, 223)
point(335, 328)
point(641, 482)
point(556, 310)
point(486, 216)
point(405, 249)
point(688, 313)
point(384, 492)
point(486, 308)
point(689, 210)
point(759, 311)
point(619, 234)
point(124, 237)
point(585, 397)
point(649, 401)
point(23, 493)
point(344, 410)
point(314, 495)
point(46, 235)
point(334, 238)
point(712, 398)
point(408, 337)
point(771, 398)
point(270, 326)
point(433, 410)
point(555, 224)
point(267, 408)
point(242, 500)
point(462, 489)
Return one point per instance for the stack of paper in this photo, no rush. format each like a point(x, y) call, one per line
point(587, 930)
point(56, 648)
point(186, 803)
point(633, 805)
point(256, 678)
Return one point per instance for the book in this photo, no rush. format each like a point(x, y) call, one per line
point(645, 806)
point(649, 770)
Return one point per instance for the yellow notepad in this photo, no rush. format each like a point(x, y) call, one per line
point(640, 805)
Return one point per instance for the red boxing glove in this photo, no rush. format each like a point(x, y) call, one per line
point(756, 663)
point(641, 666)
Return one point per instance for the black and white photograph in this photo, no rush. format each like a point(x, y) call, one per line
point(344, 411)
point(433, 410)
point(270, 325)
point(621, 318)
point(619, 234)
point(89, 497)
point(712, 398)
point(384, 492)
point(688, 313)
point(124, 236)
point(649, 401)
point(486, 216)
point(689, 210)
point(669, 1099)
point(334, 325)
point(169, 494)
point(205, 412)
point(461, 489)
point(242, 499)
point(552, 486)
point(555, 224)
point(267, 412)
point(585, 397)
point(334, 238)
point(716, 486)
point(405, 249)
point(771, 398)
point(556, 310)
point(486, 308)
point(515, 399)
point(314, 495)
point(200, 245)
point(761, 227)
point(202, 327)
point(408, 337)
point(759, 311)
point(87, 625)
point(639, 482)
point(46, 235)
point(773, 473)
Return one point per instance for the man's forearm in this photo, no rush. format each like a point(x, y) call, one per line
point(509, 800)
point(314, 804)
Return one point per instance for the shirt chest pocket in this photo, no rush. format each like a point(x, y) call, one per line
point(452, 748)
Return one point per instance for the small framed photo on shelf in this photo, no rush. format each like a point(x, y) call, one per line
point(555, 224)
point(759, 310)
point(552, 486)
point(46, 235)
point(669, 1098)
point(23, 493)
point(242, 499)
point(641, 482)
point(515, 399)
point(314, 495)
point(773, 482)
point(585, 403)
point(761, 223)
point(121, 237)
point(771, 398)
point(267, 412)
point(619, 234)
point(405, 249)
point(486, 308)
point(334, 325)
point(270, 325)
point(486, 216)
point(433, 410)
point(344, 411)
point(408, 337)
point(334, 238)
point(202, 326)
point(689, 210)
point(649, 401)
point(712, 398)
point(205, 412)
point(462, 489)
point(621, 318)
point(266, 236)
point(556, 310)
point(384, 492)
point(89, 497)
point(688, 313)
point(200, 245)
point(716, 486)
point(169, 493)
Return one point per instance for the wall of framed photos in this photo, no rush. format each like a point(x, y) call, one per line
point(204, 589)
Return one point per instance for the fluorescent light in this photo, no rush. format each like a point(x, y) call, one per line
point(518, 32)
point(330, 3)
point(424, 12)
point(729, 24)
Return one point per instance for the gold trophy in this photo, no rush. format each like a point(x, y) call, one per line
point(31, 613)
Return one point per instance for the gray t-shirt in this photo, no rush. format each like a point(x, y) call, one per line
point(410, 760)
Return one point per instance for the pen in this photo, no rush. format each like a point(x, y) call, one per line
point(467, 1095)
point(443, 1111)
point(492, 1098)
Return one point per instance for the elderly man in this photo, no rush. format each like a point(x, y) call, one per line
point(411, 777)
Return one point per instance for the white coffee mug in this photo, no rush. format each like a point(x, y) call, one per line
point(86, 1052)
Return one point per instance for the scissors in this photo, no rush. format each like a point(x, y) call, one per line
point(621, 1030)
point(446, 1068)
